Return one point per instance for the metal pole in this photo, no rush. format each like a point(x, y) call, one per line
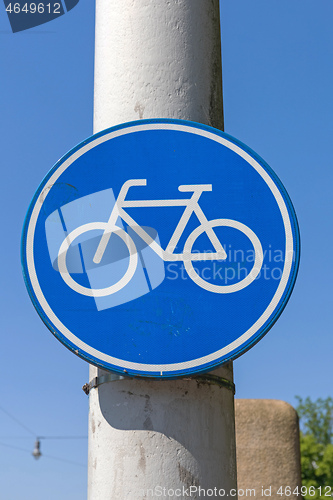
point(159, 59)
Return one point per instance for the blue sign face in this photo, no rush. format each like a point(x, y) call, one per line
point(160, 248)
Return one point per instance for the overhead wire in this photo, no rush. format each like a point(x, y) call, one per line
point(15, 437)
point(64, 460)
point(63, 437)
point(46, 456)
point(15, 447)
point(44, 437)
point(17, 421)
point(31, 431)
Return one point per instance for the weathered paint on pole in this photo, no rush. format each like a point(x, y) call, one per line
point(159, 60)
point(148, 435)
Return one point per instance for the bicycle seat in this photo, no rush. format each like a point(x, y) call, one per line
point(195, 187)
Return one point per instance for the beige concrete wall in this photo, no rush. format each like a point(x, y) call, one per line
point(268, 453)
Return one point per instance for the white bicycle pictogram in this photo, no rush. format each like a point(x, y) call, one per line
point(187, 256)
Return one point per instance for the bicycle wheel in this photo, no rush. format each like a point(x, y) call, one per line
point(223, 288)
point(97, 292)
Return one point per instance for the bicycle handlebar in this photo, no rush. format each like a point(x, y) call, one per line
point(143, 182)
point(132, 182)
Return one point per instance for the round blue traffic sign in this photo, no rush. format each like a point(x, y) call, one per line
point(160, 248)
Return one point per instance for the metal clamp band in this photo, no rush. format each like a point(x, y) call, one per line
point(201, 379)
point(214, 379)
point(95, 382)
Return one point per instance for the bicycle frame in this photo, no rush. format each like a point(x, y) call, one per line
point(168, 255)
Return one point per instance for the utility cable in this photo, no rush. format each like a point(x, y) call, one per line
point(17, 421)
point(21, 424)
point(33, 433)
point(63, 460)
point(62, 437)
point(46, 456)
point(44, 437)
point(15, 447)
point(15, 437)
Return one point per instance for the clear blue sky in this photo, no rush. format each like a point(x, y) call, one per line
point(278, 81)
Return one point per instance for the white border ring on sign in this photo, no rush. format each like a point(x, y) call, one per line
point(106, 360)
point(97, 292)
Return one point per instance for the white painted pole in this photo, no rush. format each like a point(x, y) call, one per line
point(159, 59)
